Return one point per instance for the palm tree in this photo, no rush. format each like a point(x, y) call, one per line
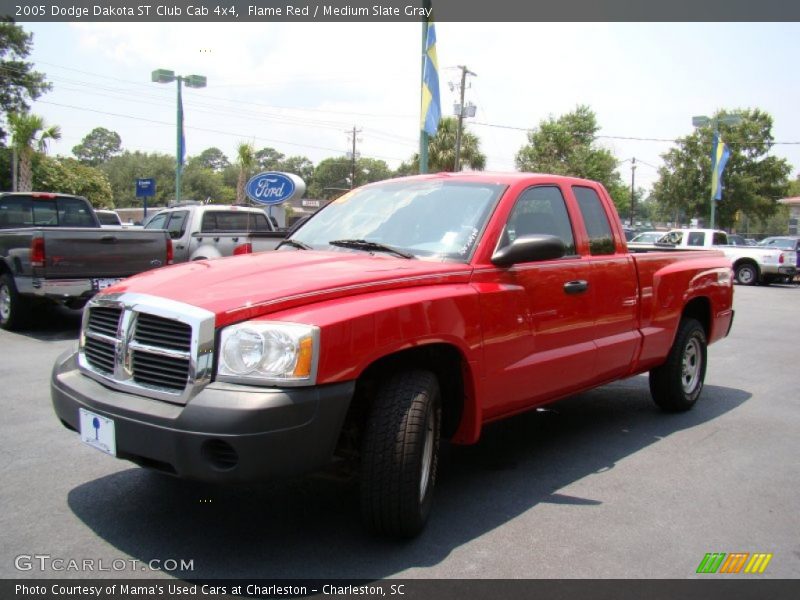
point(442, 150)
point(29, 135)
point(246, 160)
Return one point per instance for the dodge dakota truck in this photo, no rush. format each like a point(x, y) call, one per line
point(403, 313)
point(53, 249)
point(202, 231)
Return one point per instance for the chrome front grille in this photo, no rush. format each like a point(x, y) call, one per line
point(159, 332)
point(147, 345)
point(155, 370)
point(100, 354)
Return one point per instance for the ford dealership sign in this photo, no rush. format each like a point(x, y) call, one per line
point(273, 187)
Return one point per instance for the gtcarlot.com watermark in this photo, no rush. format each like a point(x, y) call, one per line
point(50, 563)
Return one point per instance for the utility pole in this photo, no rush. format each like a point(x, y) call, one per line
point(461, 114)
point(353, 156)
point(633, 197)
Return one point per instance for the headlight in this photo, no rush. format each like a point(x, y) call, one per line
point(269, 353)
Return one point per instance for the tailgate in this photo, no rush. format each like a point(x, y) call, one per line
point(79, 253)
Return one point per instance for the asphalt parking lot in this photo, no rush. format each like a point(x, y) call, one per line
point(601, 485)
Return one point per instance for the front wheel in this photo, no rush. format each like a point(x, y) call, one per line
point(676, 385)
point(400, 452)
point(14, 309)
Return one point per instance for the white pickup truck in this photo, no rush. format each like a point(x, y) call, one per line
point(751, 264)
point(203, 231)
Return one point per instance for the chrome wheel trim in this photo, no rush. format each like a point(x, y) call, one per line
point(427, 455)
point(691, 366)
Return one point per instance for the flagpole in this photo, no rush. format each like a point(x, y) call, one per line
point(713, 173)
point(423, 135)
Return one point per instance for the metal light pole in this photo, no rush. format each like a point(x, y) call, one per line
point(702, 121)
point(192, 81)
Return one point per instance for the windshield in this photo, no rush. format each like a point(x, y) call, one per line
point(427, 219)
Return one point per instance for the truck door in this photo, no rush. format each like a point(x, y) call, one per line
point(558, 354)
point(614, 279)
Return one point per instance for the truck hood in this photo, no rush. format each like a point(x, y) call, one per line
point(248, 286)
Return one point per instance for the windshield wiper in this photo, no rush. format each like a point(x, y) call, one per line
point(295, 243)
point(370, 246)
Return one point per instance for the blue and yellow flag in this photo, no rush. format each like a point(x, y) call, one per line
point(719, 159)
point(431, 105)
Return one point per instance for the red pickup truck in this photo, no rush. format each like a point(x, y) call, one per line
point(405, 312)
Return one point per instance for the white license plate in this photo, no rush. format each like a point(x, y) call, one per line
point(101, 284)
point(98, 432)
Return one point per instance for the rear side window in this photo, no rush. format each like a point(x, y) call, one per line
point(696, 238)
point(218, 220)
point(27, 211)
point(598, 228)
point(108, 218)
point(719, 239)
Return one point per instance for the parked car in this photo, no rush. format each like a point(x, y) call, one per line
point(751, 265)
point(646, 237)
point(402, 313)
point(787, 242)
point(53, 249)
point(204, 231)
point(108, 218)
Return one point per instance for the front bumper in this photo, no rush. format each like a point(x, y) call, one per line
point(227, 433)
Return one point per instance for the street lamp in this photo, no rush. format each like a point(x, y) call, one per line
point(702, 121)
point(192, 81)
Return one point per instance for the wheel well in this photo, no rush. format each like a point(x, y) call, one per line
point(700, 310)
point(444, 360)
point(747, 261)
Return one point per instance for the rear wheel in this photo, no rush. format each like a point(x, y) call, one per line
point(14, 309)
point(746, 274)
point(676, 385)
point(400, 453)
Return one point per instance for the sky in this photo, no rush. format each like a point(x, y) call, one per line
point(299, 88)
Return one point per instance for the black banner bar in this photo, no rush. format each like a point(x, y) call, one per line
point(399, 10)
point(712, 588)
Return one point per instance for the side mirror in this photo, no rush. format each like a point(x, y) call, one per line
point(530, 248)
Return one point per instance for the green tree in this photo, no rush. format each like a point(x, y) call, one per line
point(29, 136)
point(442, 151)
point(122, 172)
point(752, 182)
point(19, 83)
point(300, 166)
point(332, 175)
point(268, 159)
point(211, 158)
point(200, 183)
point(567, 145)
point(100, 145)
point(246, 162)
point(70, 176)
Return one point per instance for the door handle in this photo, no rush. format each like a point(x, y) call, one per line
point(576, 287)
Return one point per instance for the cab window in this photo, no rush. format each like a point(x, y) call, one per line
point(601, 240)
point(540, 210)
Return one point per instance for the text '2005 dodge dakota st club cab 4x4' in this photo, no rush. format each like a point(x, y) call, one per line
point(405, 312)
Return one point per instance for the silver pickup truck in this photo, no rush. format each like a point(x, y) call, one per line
point(751, 264)
point(52, 249)
point(203, 231)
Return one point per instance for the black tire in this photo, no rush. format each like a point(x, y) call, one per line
point(400, 451)
point(14, 309)
point(747, 274)
point(676, 385)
